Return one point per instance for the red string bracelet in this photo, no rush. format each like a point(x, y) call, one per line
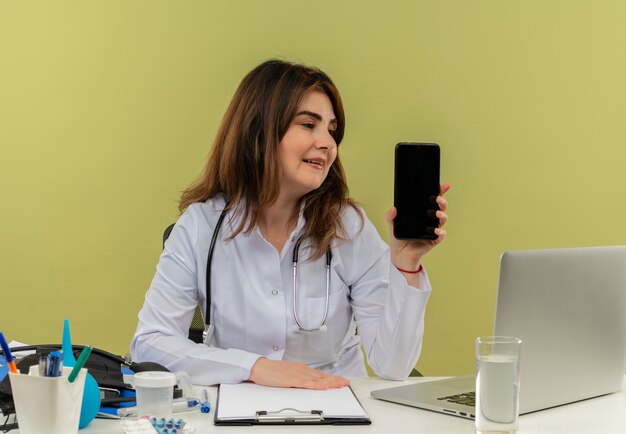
point(410, 272)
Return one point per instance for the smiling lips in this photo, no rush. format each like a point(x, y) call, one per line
point(318, 163)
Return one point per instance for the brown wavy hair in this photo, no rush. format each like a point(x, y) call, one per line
point(243, 163)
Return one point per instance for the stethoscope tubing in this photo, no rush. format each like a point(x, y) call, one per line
point(301, 328)
point(209, 329)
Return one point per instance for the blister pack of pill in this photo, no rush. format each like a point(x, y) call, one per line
point(155, 425)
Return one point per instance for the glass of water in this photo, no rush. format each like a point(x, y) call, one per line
point(497, 384)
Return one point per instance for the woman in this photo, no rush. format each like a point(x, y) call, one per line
point(275, 174)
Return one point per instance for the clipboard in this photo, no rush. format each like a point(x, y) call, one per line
point(251, 404)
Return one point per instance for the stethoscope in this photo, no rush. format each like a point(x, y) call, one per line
point(209, 329)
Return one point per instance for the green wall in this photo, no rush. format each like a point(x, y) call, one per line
point(107, 109)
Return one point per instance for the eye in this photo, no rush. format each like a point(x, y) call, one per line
point(308, 125)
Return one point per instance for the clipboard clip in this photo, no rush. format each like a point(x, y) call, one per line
point(289, 415)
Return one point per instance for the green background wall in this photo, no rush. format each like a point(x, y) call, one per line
point(108, 108)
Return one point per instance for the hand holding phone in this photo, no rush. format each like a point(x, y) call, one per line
point(416, 187)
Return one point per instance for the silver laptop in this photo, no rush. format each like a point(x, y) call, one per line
point(569, 308)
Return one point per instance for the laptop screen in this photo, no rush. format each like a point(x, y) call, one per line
point(569, 308)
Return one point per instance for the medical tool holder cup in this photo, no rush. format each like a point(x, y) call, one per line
point(50, 405)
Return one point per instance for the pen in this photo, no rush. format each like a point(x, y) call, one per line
point(54, 364)
point(84, 354)
point(7, 355)
point(43, 365)
point(205, 407)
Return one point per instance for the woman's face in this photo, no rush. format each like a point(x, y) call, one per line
point(308, 148)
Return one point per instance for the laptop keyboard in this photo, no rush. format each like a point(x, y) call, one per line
point(462, 398)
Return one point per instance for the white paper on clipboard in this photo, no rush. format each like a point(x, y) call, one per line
point(244, 400)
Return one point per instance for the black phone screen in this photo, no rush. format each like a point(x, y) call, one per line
point(416, 186)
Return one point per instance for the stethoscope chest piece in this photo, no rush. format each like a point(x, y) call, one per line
point(208, 334)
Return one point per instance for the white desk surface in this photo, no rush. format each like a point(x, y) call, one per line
point(605, 414)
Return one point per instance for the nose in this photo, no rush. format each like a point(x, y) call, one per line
point(325, 140)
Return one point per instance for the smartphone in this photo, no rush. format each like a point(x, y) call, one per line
point(416, 187)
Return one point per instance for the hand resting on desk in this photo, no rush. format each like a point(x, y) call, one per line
point(281, 373)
